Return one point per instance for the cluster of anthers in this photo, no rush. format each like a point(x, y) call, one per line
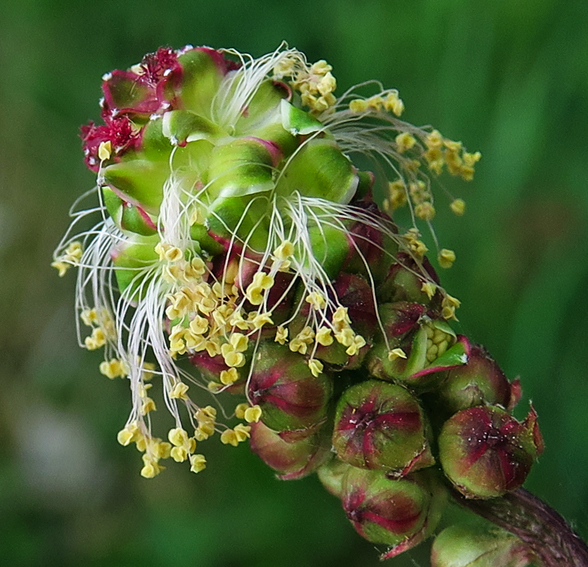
point(174, 277)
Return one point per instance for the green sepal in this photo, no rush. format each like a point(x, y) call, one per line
point(262, 109)
point(241, 167)
point(320, 169)
point(201, 77)
point(297, 121)
point(181, 126)
point(330, 247)
point(154, 145)
point(140, 180)
point(130, 262)
point(127, 216)
point(199, 233)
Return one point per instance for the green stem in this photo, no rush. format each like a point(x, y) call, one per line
point(536, 524)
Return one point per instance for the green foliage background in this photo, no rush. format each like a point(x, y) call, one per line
point(508, 77)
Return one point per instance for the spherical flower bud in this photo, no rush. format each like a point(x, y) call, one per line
point(467, 546)
point(292, 454)
point(400, 513)
point(289, 395)
point(332, 474)
point(379, 425)
point(479, 381)
point(485, 452)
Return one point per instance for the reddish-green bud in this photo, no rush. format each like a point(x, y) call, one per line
point(478, 382)
point(379, 425)
point(485, 452)
point(400, 513)
point(332, 474)
point(293, 454)
point(467, 546)
point(286, 390)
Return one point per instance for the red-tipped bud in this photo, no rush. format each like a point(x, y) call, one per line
point(379, 425)
point(485, 452)
point(467, 546)
point(478, 382)
point(400, 513)
point(282, 384)
point(293, 454)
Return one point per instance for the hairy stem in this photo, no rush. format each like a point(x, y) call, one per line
point(535, 523)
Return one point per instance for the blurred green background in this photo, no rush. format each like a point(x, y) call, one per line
point(508, 77)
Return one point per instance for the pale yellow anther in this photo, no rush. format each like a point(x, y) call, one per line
point(229, 437)
point(281, 335)
point(260, 320)
point(104, 150)
point(252, 414)
point(89, 316)
point(405, 142)
point(128, 435)
point(397, 191)
point(239, 342)
point(458, 207)
point(254, 294)
point(340, 315)
point(179, 454)
point(425, 211)
point(324, 336)
point(229, 376)
point(179, 391)
point(96, 340)
point(151, 469)
point(204, 431)
point(345, 336)
point(148, 405)
point(356, 345)
point(234, 359)
point(197, 463)
point(242, 432)
point(213, 346)
point(241, 409)
point(429, 288)
point(434, 139)
point(449, 300)
point(317, 300)
point(284, 250)
point(393, 103)
point(358, 106)
point(327, 84)
point(446, 258)
point(396, 353)
point(315, 366)
point(71, 256)
point(113, 368)
point(214, 387)
point(162, 449)
point(199, 325)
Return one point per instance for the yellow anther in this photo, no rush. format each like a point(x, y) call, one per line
point(425, 211)
point(161, 449)
point(393, 103)
point(151, 469)
point(113, 368)
point(281, 335)
point(242, 432)
point(434, 139)
point(229, 437)
point(179, 391)
point(446, 258)
point(178, 436)
point(316, 299)
point(104, 150)
point(239, 342)
point(260, 320)
point(213, 346)
point(214, 387)
point(169, 253)
point(340, 315)
point(356, 345)
point(316, 366)
point(397, 191)
point(234, 359)
point(396, 353)
point(96, 340)
point(254, 294)
point(284, 250)
point(229, 376)
point(89, 316)
point(148, 405)
point(240, 410)
point(429, 288)
point(128, 435)
point(324, 336)
point(197, 463)
point(458, 207)
point(252, 414)
point(204, 431)
point(405, 141)
point(345, 336)
point(199, 325)
point(358, 105)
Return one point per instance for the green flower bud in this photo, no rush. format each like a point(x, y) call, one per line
point(400, 513)
point(379, 425)
point(284, 387)
point(293, 454)
point(332, 475)
point(485, 452)
point(466, 546)
point(478, 382)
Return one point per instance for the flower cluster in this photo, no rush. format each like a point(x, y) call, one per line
point(239, 252)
